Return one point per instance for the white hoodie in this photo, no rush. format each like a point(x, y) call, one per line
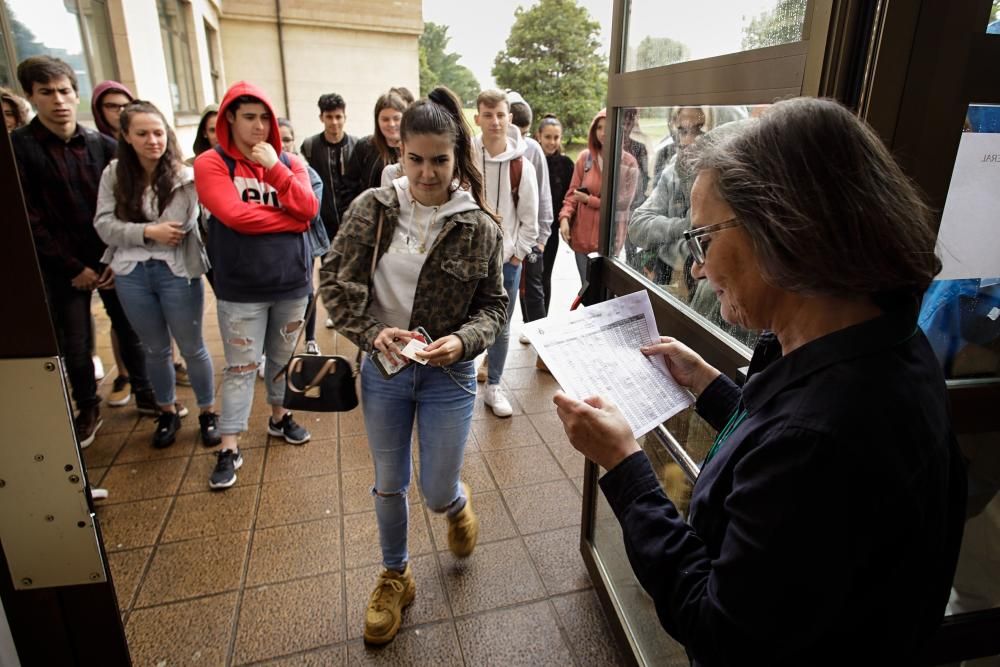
point(520, 227)
point(397, 271)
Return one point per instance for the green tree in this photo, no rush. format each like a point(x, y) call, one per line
point(995, 10)
point(781, 25)
point(440, 68)
point(553, 59)
point(660, 51)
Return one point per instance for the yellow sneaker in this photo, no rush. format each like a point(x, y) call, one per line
point(393, 591)
point(463, 528)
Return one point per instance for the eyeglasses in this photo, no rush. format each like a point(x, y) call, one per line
point(111, 106)
point(697, 243)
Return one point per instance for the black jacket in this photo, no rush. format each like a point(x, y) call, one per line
point(60, 180)
point(826, 528)
point(330, 162)
point(364, 169)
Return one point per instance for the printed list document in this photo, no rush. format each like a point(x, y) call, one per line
point(594, 351)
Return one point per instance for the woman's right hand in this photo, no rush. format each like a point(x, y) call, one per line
point(686, 365)
point(564, 229)
point(166, 233)
point(391, 340)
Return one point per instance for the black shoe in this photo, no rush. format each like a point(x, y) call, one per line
point(86, 424)
point(145, 402)
point(224, 475)
point(209, 424)
point(288, 429)
point(167, 425)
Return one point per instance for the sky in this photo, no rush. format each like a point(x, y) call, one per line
point(709, 27)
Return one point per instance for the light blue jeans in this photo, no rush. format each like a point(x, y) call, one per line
point(497, 354)
point(249, 330)
point(442, 400)
point(160, 305)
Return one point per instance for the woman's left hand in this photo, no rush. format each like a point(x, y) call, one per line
point(581, 197)
point(597, 429)
point(444, 351)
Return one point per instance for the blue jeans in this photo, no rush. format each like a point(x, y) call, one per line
point(249, 330)
point(442, 400)
point(160, 305)
point(498, 350)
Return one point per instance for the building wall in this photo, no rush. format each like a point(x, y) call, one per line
point(357, 49)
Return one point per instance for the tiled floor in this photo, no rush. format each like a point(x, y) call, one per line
point(277, 570)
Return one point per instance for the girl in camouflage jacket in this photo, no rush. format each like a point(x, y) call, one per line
point(438, 256)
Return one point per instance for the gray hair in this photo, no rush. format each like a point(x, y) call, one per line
point(826, 207)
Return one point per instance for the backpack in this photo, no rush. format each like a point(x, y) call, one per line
point(516, 167)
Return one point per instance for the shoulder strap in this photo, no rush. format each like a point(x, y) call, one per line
point(230, 162)
point(307, 146)
point(516, 168)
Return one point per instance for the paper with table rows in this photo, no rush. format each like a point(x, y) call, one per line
point(594, 351)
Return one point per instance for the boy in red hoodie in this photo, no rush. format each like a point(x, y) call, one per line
point(260, 202)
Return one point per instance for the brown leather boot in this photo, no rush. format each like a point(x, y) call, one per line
point(393, 592)
point(86, 424)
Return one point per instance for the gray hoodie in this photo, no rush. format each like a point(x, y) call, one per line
point(126, 241)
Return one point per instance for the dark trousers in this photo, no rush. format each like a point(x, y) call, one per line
point(549, 256)
point(532, 289)
point(70, 310)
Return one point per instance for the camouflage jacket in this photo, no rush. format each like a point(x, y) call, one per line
point(460, 288)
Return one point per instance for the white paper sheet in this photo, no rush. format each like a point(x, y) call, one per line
point(594, 351)
point(969, 237)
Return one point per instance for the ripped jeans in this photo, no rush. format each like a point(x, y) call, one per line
point(248, 330)
point(442, 401)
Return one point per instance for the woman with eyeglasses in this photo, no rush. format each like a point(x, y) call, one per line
point(825, 524)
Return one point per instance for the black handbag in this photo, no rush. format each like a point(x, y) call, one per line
point(321, 383)
point(317, 383)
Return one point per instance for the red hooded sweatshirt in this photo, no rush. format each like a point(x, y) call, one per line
point(256, 242)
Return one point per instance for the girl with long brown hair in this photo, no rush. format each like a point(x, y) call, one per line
point(147, 213)
point(437, 267)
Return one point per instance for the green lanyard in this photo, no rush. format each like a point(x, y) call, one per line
point(727, 430)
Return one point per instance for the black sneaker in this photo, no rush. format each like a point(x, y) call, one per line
point(145, 402)
point(167, 425)
point(209, 424)
point(224, 475)
point(288, 429)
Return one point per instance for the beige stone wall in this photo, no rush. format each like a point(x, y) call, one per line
point(357, 49)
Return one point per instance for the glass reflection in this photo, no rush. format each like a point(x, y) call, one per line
point(658, 140)
point(663, 33)
point(960, 313)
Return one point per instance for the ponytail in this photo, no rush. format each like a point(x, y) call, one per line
point(441, 114)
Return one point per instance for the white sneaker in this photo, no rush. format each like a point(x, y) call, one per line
point(497, 401)
point(98, 368)
point(524, 340)
point(329, 323)
point(312, 347)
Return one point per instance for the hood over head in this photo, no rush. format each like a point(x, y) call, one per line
point(201, 144)
point(100, 91)
point(595, 147)
point(222, 129)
